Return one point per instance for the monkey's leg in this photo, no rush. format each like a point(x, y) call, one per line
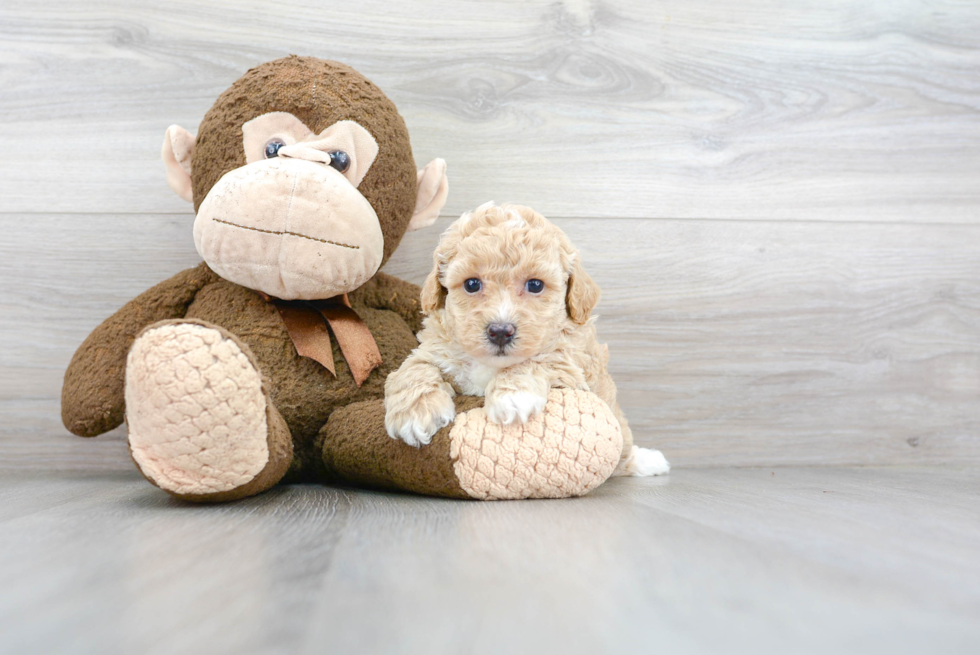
point(201, 425)
point(567, 450)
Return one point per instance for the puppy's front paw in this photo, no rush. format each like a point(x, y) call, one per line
point(514, 406)
point(414, 422)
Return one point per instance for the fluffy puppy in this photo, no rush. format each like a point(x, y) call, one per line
point(508, 316)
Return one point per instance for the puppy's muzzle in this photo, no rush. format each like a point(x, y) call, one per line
point(501, 334)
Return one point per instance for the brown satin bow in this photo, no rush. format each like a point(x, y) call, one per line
point(307, 320)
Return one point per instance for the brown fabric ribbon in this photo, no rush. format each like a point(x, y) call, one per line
point(306, 322)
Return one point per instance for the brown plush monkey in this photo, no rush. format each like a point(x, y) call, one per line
point(267, 361)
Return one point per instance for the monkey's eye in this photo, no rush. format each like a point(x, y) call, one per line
point(472, 285)
point(272, 147)
point(340, 160)
point(534, 286)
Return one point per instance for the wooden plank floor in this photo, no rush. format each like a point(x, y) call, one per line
point(831, 109)
point(732, 342)
point(784, 560)
point(781, 205)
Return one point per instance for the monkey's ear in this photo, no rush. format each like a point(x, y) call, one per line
point(582, 295)
point(178, 146)
point(433, 191)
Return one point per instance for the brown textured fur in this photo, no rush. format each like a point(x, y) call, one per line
point(92, 394)
point(319, 93)
point(303, 392)
point(318, 426)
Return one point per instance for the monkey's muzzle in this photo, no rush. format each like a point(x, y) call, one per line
point(291, 228)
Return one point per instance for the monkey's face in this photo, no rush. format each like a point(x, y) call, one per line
point(291, 222)
point(303, 179)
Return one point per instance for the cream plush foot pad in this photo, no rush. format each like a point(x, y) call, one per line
point(567, 450)
point(195, 410)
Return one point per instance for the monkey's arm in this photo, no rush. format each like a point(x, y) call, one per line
point(92, 395)
point(385, 291)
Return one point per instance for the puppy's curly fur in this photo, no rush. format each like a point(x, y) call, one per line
point(506, 268)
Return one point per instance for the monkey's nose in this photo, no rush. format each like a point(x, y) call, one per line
point(307, 151)
point(501, 333)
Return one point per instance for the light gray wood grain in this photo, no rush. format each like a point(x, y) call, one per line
point(781, 343)
point(824, 560)
point(733, 343)
point(828, 110)
point(822, 338)
point(845, 331)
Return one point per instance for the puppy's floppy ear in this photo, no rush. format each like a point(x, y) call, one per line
point(433, 293)
point(582, 295)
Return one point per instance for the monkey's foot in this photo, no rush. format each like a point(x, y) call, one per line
point(569, 449)
point(201, 426)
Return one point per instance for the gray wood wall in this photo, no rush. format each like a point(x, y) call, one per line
point(781, 200)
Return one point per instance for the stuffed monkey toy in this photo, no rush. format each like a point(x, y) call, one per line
point(267, 362)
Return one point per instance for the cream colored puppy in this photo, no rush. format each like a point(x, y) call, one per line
point(508, 316)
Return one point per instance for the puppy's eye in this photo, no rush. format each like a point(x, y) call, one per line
point(272, 147)
point(472, 285)
point(340, 160)
point(534, 286)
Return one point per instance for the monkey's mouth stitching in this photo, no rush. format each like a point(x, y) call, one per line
point(280, 232)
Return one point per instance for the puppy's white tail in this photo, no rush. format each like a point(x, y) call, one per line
point(643, 462)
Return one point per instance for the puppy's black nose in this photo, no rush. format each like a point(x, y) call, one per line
point(501, 333)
